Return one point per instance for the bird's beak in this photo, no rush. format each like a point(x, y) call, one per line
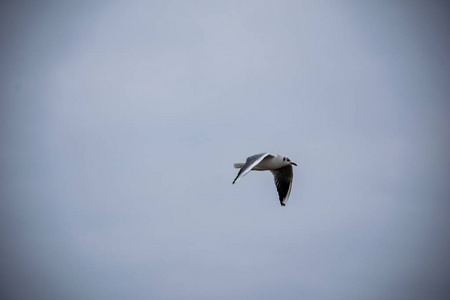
point(293, 163)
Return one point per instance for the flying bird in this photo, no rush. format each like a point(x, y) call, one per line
point(280, 166)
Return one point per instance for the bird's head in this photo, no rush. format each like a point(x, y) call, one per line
point(288, 161)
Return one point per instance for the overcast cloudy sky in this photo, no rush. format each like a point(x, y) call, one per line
point(121, 121)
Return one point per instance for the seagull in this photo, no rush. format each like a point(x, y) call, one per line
point(280, 166)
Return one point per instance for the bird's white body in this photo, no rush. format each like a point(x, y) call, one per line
point(268, 163)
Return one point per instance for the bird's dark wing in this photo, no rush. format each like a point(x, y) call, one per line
point(283, 181)
point(251, 162)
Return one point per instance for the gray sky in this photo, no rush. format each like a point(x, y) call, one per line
point(121, 121)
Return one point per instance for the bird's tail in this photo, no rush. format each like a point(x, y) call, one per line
point(238, 165)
